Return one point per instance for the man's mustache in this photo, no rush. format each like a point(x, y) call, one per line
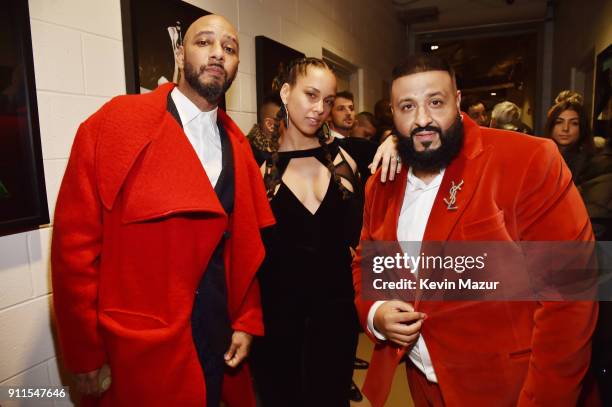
point(203, 68)
point(426, 128)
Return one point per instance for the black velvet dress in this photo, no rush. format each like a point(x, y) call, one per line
point(306, 356)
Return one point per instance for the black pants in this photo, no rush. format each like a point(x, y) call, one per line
point(211, 360)
point(306, 359)
point(210, 325)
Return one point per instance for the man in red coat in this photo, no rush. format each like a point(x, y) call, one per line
point(467, 183)
point(156, 240)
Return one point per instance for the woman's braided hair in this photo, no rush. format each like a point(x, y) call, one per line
point(272, 179)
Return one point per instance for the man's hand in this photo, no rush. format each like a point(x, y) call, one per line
point(398, 322)
point(239, 348)
point(388, 157)
point(93, 383)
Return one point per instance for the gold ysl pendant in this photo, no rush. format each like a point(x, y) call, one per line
point(450, 202)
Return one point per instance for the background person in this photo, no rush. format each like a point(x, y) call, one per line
point(567, 125)
point(477, 111)
point(365, 127)
point(342, 118)
point(507, 116)
point(384, 120)
point(260, 134)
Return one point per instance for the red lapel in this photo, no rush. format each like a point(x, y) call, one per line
point(466, 170)
point(164, 186)
point(167, 185)
point(467, 167)
point(170, 177)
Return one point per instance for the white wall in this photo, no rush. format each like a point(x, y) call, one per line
point(78, 61)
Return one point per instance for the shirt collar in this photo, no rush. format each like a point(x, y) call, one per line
point(335, 133)
point(416, 184)
point(188, 111)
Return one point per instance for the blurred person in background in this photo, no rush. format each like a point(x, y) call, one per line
point(596, 191)
point(365, 126)
point(565, 95)
point(477, 111)
point(342, 118)
point(384, 120)
point(260, 134)
point(567, 125)
point(360, 145)
point(507, 116)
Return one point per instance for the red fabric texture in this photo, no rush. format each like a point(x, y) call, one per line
point(136, 223)
point(423, 392)
point(516, 188)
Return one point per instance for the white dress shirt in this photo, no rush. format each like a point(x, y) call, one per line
point(335, 134)
point(416, 208)
point(202, 132)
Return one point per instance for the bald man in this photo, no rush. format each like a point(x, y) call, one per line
point(156, 241)
point(260, 135)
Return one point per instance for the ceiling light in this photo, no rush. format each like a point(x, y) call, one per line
point(493, 94)
point(434, 47)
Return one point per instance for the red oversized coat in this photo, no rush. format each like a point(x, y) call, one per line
point(136, 223)
point(516, 187)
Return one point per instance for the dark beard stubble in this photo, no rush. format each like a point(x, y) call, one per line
point(211, 91)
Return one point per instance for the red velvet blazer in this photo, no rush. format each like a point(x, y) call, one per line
point(516, 188)
point(136, 223)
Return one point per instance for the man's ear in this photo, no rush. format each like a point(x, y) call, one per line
point(458, 100)
point(180, 57)
point(268, 124)
point(284, 92)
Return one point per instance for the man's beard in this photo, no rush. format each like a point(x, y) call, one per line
point(451, 142)
point(211, 91)
point(342, 126)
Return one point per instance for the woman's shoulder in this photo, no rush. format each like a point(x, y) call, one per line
point(600, 163)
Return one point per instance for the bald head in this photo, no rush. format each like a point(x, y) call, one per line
point(208, 60)
point(267, 115)
point(211, 22)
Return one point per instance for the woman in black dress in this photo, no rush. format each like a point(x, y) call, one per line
point(306, 356)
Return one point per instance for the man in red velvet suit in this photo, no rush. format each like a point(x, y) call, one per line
point(156, 240)
point(513, 188)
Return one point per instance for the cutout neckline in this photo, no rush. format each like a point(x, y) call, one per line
point(306, 209)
